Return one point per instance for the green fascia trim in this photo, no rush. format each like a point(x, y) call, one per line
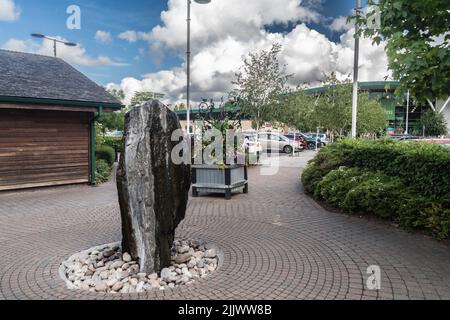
point(72, 103)
point(371, 85)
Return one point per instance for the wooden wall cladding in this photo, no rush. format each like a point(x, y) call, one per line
point(43, 148)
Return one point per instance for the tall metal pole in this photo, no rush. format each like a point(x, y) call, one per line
point(407, 113)
point(188, 68)
point(355, 75)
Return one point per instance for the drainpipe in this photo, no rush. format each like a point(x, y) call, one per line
point(92, 145)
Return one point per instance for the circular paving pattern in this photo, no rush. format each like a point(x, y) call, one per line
point(276, 242)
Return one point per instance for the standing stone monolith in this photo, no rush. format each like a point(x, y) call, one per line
point(152, 190)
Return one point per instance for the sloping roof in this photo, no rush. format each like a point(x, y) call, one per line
point(31, 77)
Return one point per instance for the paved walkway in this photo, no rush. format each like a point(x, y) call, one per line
point(277, 244)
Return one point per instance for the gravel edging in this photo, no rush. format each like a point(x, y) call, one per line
point(105, 269)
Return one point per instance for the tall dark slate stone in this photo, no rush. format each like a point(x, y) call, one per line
point(153, 192)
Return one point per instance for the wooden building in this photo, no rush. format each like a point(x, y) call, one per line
point(47, 116)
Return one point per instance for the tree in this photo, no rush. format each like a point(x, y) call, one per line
point(371, 115)
point(418, 43)
point(143, 96)
point(112, 121)
point(118, 94)
point(434, 123)
point(334, 110)
point(179, 107)
point(331, 110)
point(299, 111)
point(260, 85)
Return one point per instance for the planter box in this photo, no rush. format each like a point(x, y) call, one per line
point(214, 179)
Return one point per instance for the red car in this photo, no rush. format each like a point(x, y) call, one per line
point(299, 139)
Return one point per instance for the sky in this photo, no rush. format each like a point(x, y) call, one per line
point(139, 45)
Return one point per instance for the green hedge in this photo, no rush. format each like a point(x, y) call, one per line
point(114, 142)
point(421, 165)
point(406, 182)
point(102, 171)
point(106, 153)
point(424, 166)
point(329, 158)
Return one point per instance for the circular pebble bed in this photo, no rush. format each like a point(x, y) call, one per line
point(106, 269)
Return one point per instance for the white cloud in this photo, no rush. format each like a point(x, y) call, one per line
point(16, 45)
point(340, 24)
point(130, 36)
point(103, 36)
point(219, 19)
point(74, 55)
point(373, 60)
point(9, 10)
point(234, 28)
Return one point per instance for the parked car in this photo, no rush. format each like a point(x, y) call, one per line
point(403, 137)
point(278, 142)
point(322, 138)
point(297, 138)
point(311, 142)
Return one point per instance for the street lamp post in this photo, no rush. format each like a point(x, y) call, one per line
point(188, 61)
point(41, 36)
point(355, 74)
point(407, 112)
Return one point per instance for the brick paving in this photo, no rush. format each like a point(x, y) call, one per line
point(277, 244)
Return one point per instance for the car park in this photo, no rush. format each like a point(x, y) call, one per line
point(276, 142)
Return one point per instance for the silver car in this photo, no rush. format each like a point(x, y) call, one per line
point(277, 142)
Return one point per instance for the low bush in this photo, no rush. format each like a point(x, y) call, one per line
point(406, 182)
point(378, 194)
point(426, 214)
point(424, 166)
point(328, 159)
point(102, 171)
point(335, 186)
point(105, 153)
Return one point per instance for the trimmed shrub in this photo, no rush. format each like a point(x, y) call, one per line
point(424, 166)
point(102, 171)
point(328, 159)
point(378, 194)
point(426, 214)
point(335, 186)
point(406, 182)
point(114, 142)
point(105, 153)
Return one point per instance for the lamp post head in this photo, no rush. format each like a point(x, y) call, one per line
point(37, 35)
point(202, 1)
point(70, 44)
